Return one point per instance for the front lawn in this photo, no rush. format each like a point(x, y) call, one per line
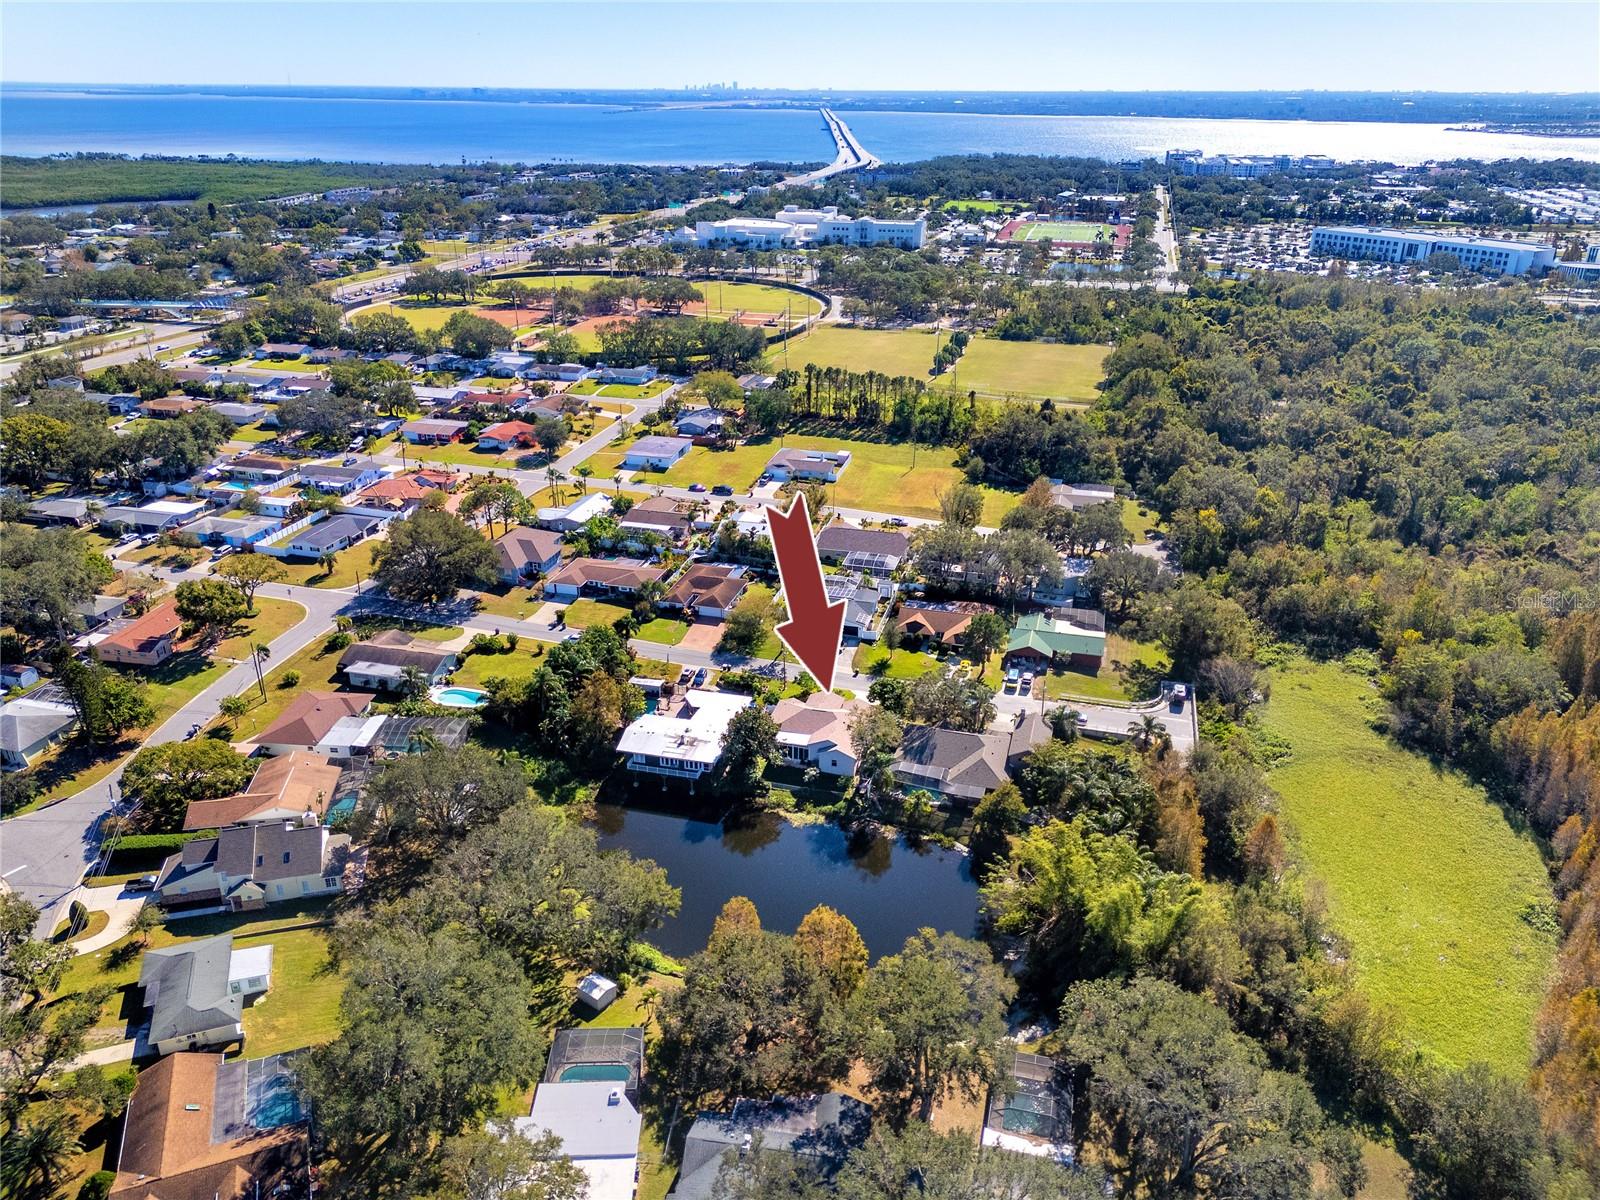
point(252, 434)
point(584, 612)
point(518, 603)
point(1130, 672)
point(1432, 886)
point(349, 566)
point(903, 664)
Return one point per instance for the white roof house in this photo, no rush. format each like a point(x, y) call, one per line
point(685, 744)
point(599, 1130)
point(577, 514)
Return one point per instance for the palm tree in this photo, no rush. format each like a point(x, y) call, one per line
point(258, 655)
point(38, 1156)
point(326, 561)
point(556, 478)
point(584, 471)
point(1146, 730)
point(616, 484)
point(1064, 723)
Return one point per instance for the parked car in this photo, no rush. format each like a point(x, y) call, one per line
point(1027, 683)
point(722, 489)
point(685, 676)
point(697, 487)
point(897, 522)
point(1012, 676)
point(700, 677)
point(144, 883)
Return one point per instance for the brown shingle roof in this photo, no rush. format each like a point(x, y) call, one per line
point(140, 635)
point(524, 546)
point(630, 576)
point(307, 721)
point(706, 586)
point(298, 781)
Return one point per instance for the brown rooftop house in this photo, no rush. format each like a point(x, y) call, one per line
point(957, 765)
point(404, 491)
point(196, 1129)
point(600, 577)
point(381, 661)
point(429, 432)
point(169, 406)
point(706, 590)
point(660, 514)
point(526, 552)
point(146, 641)
point(940, 624)
point(309, 718)
point(247, 867)
point(289, 787)
point(864, 549)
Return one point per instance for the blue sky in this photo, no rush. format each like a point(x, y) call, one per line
point(915, 44)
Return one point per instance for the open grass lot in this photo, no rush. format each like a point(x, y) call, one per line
point(252, 434)
point(300, 1009)
point(584, 612)
point(721, 299)
point(421, 316)
point(881, 476)
point(1424, 876)
point(317, 674)
point(519, 603)
point(892, 351)
point(1127, 674)
point(619, 391)
point(993, 367)
point(466, 454)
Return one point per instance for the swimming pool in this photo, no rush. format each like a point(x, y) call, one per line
point(595, 1072)
point(458, 697)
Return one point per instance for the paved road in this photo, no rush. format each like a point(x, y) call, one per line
point(138, 344)
point(44, 853)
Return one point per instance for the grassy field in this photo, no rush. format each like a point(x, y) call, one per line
point(317, 671)
point(892, 351)
point(584, 612)
point(347, 565)
point(421, 317)
point(992, 367)
point(252, 434)
point(721, 299)
point(880, 478)
point(1062, 231)
point(1424, 876)
point(477, 669)
point(300, 1009)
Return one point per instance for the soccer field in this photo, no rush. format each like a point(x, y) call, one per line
point(1061, 231)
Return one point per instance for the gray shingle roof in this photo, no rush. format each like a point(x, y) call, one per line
point(191, 988)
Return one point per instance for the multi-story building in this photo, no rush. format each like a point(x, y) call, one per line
point(1492, 256)
point(792, 227)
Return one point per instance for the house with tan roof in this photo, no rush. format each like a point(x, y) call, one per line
point(671, 519)
point(146, 641)
point(824, 466)
point(939, 624)
point(600, 577)
point(169, 406)
point(403, 493)
point(506, 435)
point(195, 1130)
point(308, 719)
point(430, 431)
point(287, 787)
point(815, 732)
point(706, 590)
point(953, 763)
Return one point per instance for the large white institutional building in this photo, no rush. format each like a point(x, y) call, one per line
point(1492, 256)
point(793, 226)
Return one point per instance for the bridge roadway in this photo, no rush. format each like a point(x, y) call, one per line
point(852, 156)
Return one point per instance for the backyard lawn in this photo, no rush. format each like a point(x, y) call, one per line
point(880, 478)
point(477, 669)
point(1117, 678)
point(347, 566)
point(300, 1009)
point(1424, 875)
point(252, 434)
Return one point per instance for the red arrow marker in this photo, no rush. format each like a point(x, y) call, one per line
point(814, 627)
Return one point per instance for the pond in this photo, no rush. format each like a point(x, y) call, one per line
point(889, 887)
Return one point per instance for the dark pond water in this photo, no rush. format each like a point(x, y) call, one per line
point(888, 887)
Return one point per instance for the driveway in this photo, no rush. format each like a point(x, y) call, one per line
point(120, 905)
point(702, 635)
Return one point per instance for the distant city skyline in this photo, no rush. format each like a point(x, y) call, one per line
point(902, 46)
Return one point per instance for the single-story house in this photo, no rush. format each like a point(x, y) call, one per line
point(98, 609)
point(28, 727)
point(195, 1130)
point(146, 641)
point(756, 382)
point(337, 533)
point(700, 422)
point(684, 744)
point(154, 517)
point(655, 453)
point(1080, 495)
point(240, 414)
point(298, 786)
point(169, 406)
point(308, 719)
point(433, 397)
point(706, 590)
point(862, 549)
point(937, 624)
point(429, 431)
point(1038, 642)
point(331, 354)
point(117, 403)
point(15, 322)
point(824, 466)
point(630, 375)
point(672, 519)
point(381, 661)
point(600, 577)
point(565, 372)
point(339, 479)
point(259, 468)
point(282, 350)
point(17, 675)
point(815, 732)
point(196, 991)
point(526, 552)
point(354, 737)
point(860, 603)
point(506, 435)
point(599, 1126)
point(953, 763)
point(820, 1130)
point(54, 511)
point(234, 531)
point(403, 493)
point(247, 867)
point(577, 514)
